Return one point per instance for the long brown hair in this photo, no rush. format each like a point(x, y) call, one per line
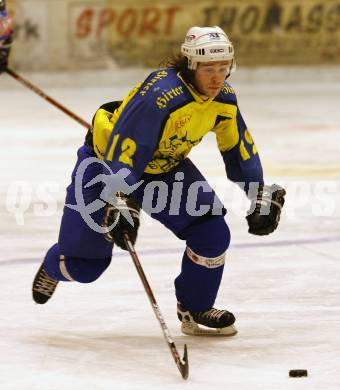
point(179, 62)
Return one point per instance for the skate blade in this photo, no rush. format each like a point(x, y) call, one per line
point(192, 329)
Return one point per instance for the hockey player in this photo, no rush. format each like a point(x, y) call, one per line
point(5, 36)
point(148, 136)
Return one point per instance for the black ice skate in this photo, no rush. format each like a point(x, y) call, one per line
point(43, 286)
point(215, 322)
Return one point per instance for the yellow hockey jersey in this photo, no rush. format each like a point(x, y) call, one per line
point(161, 119)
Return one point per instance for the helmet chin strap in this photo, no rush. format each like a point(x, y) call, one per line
point(229, 72)
point(194, 87)
point(198, 90)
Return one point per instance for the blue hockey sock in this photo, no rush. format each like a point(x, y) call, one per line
point(202, 264)
point(66, 268)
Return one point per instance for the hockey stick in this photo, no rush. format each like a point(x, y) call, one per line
point(182, 364)
point(42, 94)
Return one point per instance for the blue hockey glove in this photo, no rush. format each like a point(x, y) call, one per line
point(119, 217)
point(264, 214)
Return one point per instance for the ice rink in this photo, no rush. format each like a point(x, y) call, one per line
point(284, 289)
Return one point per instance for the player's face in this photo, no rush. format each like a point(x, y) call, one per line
point(210, 76)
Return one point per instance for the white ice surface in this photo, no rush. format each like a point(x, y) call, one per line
point(284, 289)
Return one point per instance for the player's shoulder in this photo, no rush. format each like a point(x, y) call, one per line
point(227, 94)
point(156, 80)
point(164, 89)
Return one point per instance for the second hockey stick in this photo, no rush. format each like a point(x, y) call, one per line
point(182, 364)
point(42, 94)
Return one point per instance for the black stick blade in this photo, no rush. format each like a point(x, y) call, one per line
point(184, 366)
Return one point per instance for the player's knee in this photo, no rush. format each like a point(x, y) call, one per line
point(83, 270)
point(209, 237)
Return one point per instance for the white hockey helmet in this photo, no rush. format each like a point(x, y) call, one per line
point(206, 44)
